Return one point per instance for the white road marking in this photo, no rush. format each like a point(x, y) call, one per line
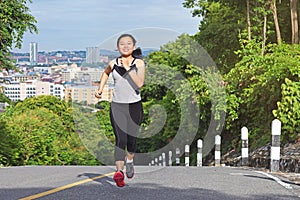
point(286, 185)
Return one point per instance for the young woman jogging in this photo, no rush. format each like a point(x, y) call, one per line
point(126, 111)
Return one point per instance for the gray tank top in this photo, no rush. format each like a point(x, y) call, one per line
point(124, 91)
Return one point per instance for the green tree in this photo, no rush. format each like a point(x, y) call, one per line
point(36, 132)
point(256, 82)
point(95, 131)
point(41, 130)
point(52, 103)
point(221, 23)
point(4, 98)
point(15, 20)
point(8, 145)
point(181, 78)
point(288, 110)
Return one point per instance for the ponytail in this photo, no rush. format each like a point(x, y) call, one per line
point(137, 53)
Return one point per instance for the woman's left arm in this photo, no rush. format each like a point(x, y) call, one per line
point(138, 76)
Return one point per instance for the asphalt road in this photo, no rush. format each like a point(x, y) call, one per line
point(167, 183)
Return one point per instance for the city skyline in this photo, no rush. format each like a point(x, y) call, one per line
point(76, 25)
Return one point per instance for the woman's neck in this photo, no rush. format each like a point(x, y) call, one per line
point(126, 61)
point(128, 57)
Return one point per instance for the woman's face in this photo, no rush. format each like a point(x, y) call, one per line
point(126, 46)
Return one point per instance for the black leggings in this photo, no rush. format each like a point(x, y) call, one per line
point(126, 120)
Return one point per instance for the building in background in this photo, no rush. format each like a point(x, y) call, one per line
point(94, 73)
point(93, 55)
point(84, 93)
point(33, 53)
point(33, 88)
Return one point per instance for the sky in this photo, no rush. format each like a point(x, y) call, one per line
point(78, 24)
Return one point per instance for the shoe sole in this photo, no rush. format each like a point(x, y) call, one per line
point(119, 179)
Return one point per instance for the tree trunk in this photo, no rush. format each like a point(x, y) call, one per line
point(274, 10)
point(264, 36)
point(294, 20)
point(248, 20)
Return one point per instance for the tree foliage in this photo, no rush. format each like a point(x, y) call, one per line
point(256, 82)
point(288, 109)
point(40, 131)
point(182, 78)
point(15, 20)
point(220, 25)
point(95, 131)
point(256, 68)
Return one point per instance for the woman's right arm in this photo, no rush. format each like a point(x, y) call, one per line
point(103, 80)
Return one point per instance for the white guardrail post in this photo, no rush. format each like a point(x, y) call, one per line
point(199, 154)
point(244, 137)
point(177, 156)
point(275, 145)
point(163, 159)
point(170, 158)
point(160, 160)
point(187, 155)
point(217, 150)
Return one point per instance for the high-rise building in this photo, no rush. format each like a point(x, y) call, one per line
point(33, 53)
point(93, 55)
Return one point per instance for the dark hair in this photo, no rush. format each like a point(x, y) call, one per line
point(137, 53)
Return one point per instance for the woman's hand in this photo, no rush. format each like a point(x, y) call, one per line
point(125, 63)
point(98, 94)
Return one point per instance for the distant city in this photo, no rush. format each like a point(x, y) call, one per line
point(68, 75)
point(92, 55)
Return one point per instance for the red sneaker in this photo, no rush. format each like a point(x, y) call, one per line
point(119, 178)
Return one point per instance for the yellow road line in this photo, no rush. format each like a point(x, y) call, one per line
point(64, 187)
